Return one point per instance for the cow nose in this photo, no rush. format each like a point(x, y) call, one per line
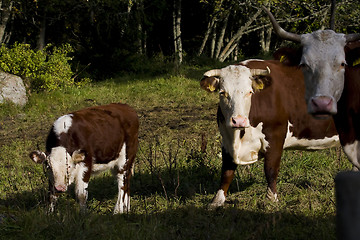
point(239, 122)
point(60, 188)
point(323, 105)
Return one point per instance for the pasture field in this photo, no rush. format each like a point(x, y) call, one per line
point(177, 172)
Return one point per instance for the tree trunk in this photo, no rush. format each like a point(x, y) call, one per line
point(213, 42)
point(207, 34)
point(265, 39)
point(41, 39)
point(332, 15)
point(177, 32)
point(235, 39)
point(6, 7)
point(221, 37)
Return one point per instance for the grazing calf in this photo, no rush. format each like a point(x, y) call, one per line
point(263, 111)
point(89, 141)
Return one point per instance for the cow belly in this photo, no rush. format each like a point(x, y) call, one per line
point(244, 149)
point(119, 162)
point(292, 142)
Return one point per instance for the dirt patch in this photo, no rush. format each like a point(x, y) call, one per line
point(184, 122)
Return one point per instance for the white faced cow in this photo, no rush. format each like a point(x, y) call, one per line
point(89, 141)
point(323, 64)
point(323, 60)
point(262, 110)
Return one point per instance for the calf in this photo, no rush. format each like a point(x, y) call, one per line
point(89, 141)
point(263, 111)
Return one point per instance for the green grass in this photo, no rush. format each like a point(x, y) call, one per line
point(173, 179)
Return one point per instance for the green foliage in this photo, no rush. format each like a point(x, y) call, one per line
point(47, 69)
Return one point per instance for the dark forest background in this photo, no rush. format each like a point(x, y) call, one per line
point(110, 36)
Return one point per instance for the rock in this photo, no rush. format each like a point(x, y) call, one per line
point(12, 89)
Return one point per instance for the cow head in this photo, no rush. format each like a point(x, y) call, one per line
point(323, 65)
point(60, 166)
point(235, 84)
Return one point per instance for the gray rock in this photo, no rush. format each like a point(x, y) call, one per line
point(12, 89)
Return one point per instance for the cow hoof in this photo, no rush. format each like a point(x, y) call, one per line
point(218, 200)
point(271, 196)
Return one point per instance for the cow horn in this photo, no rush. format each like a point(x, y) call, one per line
point(281, 32)
point(352, 37)
point(213, 73)
point(260, 72)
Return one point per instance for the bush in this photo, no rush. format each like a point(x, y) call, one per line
point(46, 69)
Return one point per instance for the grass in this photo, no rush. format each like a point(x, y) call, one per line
point(176, 174)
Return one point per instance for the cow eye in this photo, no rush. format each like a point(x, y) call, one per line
point(343, 64)
point(304, 66)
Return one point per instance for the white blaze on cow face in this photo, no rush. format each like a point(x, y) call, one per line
point(323, 65)
point(63, 124)
point(235, 95)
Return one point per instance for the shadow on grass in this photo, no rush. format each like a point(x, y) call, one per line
point(187, 222)
point(175, 184)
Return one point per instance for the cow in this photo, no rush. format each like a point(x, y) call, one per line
point(323, 63)
point(89, 141)
point(261, 112)
point(348, 107)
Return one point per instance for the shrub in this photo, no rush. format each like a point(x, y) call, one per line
point(46, 69)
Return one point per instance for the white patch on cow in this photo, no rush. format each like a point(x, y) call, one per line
point(235, 93)
point(244, 150)
point(353, 153)
point(323, 55)
point(218, 200)
point(291, 142)
point(81, 191)
point(63, 124)
point(59, 161)
point(123, 201)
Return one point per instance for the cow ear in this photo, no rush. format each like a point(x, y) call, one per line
point(37, 156)
point(210, 84)
point(288, 56)
point(260, 82)
point(78, 156)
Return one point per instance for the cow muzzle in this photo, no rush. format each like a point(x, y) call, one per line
point(60, 188)
point(322, 107)
point(239, 122)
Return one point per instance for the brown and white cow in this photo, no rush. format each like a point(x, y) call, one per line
point(89, 141)
point(323, 63)
point(348, 107)
point(263, 114)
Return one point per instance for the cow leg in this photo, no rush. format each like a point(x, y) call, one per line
point(227, 175)
point(81, 184)
point(52, 198)
point(271, 167)
point(272, 157)
point(123, 200)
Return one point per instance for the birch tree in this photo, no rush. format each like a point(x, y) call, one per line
point(177, 32)
point(6, 8)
